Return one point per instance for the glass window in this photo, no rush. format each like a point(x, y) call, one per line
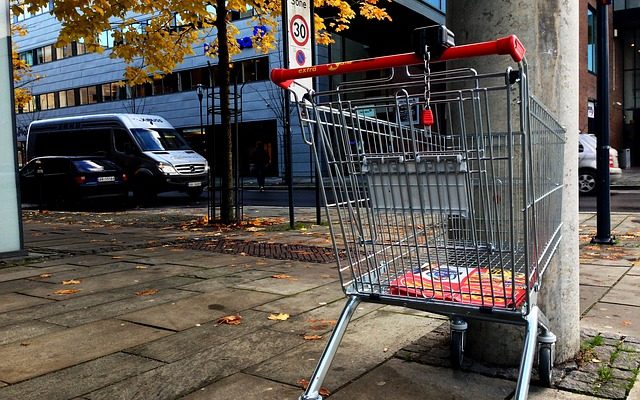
point(71, 97)
point(157, 87)
point(109, 92)
point(84, 95)
point(170, 83)
point(80, 47)
point(62, 99)
point(159, 139)
point(104, 38)
point(64, 52)
point(27, 57)
point(92, 93)
point(591, 40)
point(123, 142)
point(185, 80)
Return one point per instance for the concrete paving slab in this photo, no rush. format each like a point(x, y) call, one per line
point(26, 330)
point(368, 342)
point(396, 379)
point(613, 318)
point(305, 301)
point(186, 313)
point(16, 301)
point(206, 259)
point(253, 387)
point(78, 272)
point(626, 291)
point(634, 393)
point(297, 280)
point(78, 303)
point(229, 277)
point(116, 308)
point(601, 275)
point(101, 283)
point(322, 320)
point(187, 375)
point(79, 379)
point(58, 350)
point(23, 286)
point(590, 295)
point(635, 270)
point(199, 338)
point(13, 273)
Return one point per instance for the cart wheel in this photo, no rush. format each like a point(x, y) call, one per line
point(545, 365)
point(457, 348)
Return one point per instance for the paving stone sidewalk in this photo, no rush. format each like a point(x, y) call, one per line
point(130, 306)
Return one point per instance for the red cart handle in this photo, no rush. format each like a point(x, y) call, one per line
point(509, 45)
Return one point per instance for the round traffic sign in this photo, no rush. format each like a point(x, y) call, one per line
point(299, 30)
point(301, 58)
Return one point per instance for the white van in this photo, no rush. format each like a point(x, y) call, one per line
point(150, 151)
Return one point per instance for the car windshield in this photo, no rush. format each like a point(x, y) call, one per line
point(159, 139)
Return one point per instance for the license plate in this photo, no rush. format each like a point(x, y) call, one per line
point(194, 184)
point(106, 179)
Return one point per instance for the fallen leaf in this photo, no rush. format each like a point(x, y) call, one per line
point(25, 344)
point(229, 320)
point(255, 229)
point(312, 337)
point(303, 383)
point(66, 291)
point(627, 322)
point(281, 276)
point(595, 360)
point(141, 267)
point(71, 282)
point(147, 292)
point(278, 317)
point(44, 275)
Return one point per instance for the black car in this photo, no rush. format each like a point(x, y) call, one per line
point(58, 180)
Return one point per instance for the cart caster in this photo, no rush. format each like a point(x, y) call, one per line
point(458, 331)
point(546, 354)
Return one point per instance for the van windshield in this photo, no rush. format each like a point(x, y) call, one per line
point(159, 139)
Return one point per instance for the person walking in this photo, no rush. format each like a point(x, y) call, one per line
point(260, 160)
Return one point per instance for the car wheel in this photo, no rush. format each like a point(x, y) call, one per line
point(587, 181)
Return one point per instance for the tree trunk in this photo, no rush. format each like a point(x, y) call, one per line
point(227, 200)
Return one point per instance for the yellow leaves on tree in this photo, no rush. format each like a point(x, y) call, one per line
point(172, 29)
point(22, 74)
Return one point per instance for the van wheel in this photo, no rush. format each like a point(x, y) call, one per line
point(144, 193)
point(194, 193)
point(587, 181)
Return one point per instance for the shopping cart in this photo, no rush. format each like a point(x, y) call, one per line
point(443, 191)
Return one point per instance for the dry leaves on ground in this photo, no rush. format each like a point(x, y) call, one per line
point(282, 276)
point(321, 324)
point(44, 276)
point(147, 292)
point(278, 317)
point(66, 291)
point(303, 383)
point(71, 282)
point(312, 337)
point(229, 320)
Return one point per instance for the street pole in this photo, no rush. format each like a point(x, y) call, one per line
point(603, 204)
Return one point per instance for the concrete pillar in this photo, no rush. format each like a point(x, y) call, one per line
point(549, 31)
point(11, 228)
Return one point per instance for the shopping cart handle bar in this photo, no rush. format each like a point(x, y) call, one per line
point(509, 45)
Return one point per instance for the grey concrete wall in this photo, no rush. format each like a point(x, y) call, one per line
point(549, 31)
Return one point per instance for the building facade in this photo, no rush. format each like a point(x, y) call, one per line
point(74, 82)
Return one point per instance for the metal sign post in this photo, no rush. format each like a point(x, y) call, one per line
point(298, 38)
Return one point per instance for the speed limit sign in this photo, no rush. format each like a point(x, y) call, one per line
point(299, 30)
point(299, 41)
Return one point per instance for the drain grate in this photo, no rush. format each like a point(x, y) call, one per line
point(278, 251)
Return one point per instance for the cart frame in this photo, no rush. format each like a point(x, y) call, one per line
point(391, 171)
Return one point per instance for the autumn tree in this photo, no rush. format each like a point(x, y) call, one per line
point(22, 73)
point(175, 27)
